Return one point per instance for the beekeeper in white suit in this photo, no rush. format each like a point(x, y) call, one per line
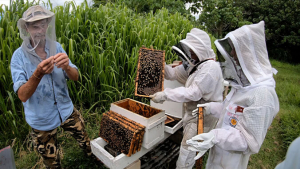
point(203, 81)
point(249, 108)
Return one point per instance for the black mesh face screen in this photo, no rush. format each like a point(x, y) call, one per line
point(229, 63)
point(220, 58)
point(180, 53)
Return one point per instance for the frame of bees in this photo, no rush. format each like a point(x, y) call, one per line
point(152, 118)
point(121, 134)
point(150, 72)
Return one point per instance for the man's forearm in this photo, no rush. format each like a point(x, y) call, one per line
point(27, 90)
point(72, 73)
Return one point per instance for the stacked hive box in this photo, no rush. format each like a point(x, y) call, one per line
point(122, 134)
point(150, 72)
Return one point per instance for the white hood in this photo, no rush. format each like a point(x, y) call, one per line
point(200, 43)
point(250, 44)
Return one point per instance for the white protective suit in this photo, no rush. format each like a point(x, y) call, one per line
point(248, 110)
point(204, 85)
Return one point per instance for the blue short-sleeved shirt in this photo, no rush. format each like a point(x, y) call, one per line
point(50, 104)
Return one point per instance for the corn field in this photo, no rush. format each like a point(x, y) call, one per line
point(102, 42)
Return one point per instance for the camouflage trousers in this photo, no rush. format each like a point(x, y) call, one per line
point(45, 142)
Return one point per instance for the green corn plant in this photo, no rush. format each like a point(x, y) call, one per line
point(11, 111)
point(104, 44)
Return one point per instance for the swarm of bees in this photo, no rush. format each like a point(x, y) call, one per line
point(122, 134)
point(150, 73)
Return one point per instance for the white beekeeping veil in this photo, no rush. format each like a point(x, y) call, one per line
point(229, 63)
point(199, 42)
point(37, 27)
point(252, 56)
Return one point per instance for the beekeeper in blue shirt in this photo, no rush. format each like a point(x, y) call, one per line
point(39, 70)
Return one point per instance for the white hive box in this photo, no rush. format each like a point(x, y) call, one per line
point(121, 161)
point(154, 125)
point(172, 109)
point(118, 162)
point(135, 165)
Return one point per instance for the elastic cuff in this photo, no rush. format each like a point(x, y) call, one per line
point(215, 132)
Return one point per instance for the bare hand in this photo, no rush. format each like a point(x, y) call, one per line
point(61, 60)
point(46, 66)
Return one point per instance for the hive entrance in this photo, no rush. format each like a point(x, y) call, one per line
point(150, 72)
point(138, 108)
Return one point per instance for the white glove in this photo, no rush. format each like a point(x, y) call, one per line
point(159, 97)
point(207, 142)
point(206, 109)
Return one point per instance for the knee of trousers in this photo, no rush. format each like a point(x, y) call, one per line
point(185, 159)
point(190, 130)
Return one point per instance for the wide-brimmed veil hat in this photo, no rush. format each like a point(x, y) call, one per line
point(32, 14)
point(35, 13)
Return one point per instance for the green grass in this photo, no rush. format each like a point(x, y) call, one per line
point(271, 152)
point(288, 91)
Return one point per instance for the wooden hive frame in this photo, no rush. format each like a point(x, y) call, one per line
point(139, 127)
point(116, 134)
point(147, 82)
point(200, 130)
point(169, 119)
point(142, 109)
point(138, 108)
point(121, 133)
